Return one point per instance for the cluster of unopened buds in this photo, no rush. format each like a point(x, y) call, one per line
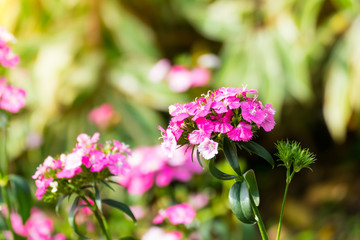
point(89, 162)
point(226, 112)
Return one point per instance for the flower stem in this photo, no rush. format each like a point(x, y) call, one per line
point(288, 180)
point(259, 221)
point(4, 179)
point(100, 218)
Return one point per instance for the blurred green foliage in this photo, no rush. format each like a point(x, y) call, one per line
point(302, 56)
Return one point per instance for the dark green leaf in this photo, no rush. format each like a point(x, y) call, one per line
point(98, 199)
point(107, 185)
point(253, 147)
point(71, 218)
point(253, 187)
point(231, 156)
point(121, 206)
point(22, 194)
point(217, 173)
point(240, 202)
point(199, 158)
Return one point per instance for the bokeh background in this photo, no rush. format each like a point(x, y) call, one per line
point(302, 56)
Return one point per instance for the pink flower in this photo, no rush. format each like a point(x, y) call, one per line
point(159, 71)
point(179, 79)
point(208, 148)
point(38, 226)
point(177, 214)
point(156, 233)
point(252, 112)
point(118, 164)
point(7, 57)
point(241, 133)
point(200, 77)
point(84, 140)
point(199, 200)
point(41, 186)
point(12, 99)
point(269, 122)
point(72, 165)
point(201, 108)
point(222, 93)
point(223, 123)
point(102, 116)
point(205, 126)
point(169, 143)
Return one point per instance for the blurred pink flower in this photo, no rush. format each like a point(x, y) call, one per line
point(200, 77)
point(179, 78)
point(159, 71)
point(156, 233)
point(138, 211)
point(12, 98)
point(177, 214)
point(7, 57)
point(37, 227)
point(150, 164)
point(198, 200)
point(103, 116)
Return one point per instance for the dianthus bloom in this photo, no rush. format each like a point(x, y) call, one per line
point(88, 162)
point(103, 116)
point(224, 113)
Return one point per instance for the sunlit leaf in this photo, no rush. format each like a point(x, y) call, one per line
point(217, 173)
point(240, 202)
point(252, 185)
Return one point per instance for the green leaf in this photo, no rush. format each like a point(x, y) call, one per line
point(239, 200)
point(72, 214)
point(59, 203)
point(253, 187)
point(231, 156)
point(127, 238)
point(22, 194)
point(199, 158)
point(107, 185)
point(253, 147)
point(217, 173)
point(121, 206)
point(98, 199)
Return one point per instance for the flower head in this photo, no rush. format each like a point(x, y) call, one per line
point(177, 214)
point(12, 98)
point(89, 160)
point(224, 113)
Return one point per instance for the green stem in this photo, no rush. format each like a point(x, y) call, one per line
point(100, 218)
point(259, 220)
point(4, 180)
point(288, 180)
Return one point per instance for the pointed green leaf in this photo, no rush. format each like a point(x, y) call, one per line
point(71, 218)
point(98, 199)
point(21, 190)
point(121, 206)
point(253, 147)
point(231, 155)
point(217, 173)
point(199, 158)
point(253, 187)
point(107, 185)
point(59, 203)
point(240, 202)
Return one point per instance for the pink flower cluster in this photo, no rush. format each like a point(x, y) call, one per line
point(38, 226)
point(89, 160)
point(178, 214)
point(12, 98)
point(226, 112)
point(7, 57)
point(150, 165)
point(179, 78)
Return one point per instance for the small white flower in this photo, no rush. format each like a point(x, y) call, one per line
point(208, 148)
